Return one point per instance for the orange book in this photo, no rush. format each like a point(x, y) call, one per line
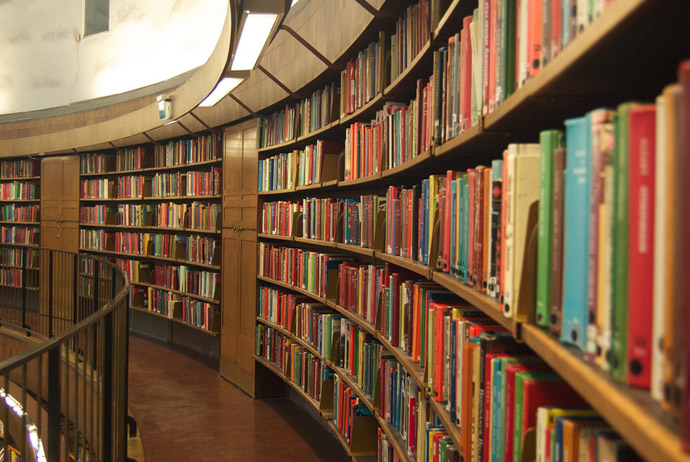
point(534, 39)
point(466, 418)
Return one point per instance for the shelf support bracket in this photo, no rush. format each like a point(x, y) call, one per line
point(309, 46)
point(276, 81)
point(199, 120)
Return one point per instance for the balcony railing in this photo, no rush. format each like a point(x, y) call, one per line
point(63, 353)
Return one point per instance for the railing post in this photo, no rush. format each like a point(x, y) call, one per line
point(50, 293)
point(54, 403)
point(25, 256)
point(96, 280)
point(75, 289)
point(108, 377)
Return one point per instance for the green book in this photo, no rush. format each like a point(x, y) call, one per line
point(619, 277)
point(508, 56)
point(549, 140)
point(520, 378)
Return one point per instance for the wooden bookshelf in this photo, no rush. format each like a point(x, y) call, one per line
point(574, 82)
point(146, 156)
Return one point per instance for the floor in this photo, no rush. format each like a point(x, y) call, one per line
point(185, 412)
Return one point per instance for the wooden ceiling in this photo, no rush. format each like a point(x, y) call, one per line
point(315, 34)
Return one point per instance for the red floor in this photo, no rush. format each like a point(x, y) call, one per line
point(185, 412)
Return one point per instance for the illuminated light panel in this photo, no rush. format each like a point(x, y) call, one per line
point(253, 36)
point(224, 87)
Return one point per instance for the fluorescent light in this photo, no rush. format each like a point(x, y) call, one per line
point(293, 2)
point(253, 36)
point(224, 87)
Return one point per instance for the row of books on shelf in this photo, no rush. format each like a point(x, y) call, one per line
point(500, 46)
point(19, 213)
point(19, 257)
point(177, 184)
point(508, 397)
point(18, 190)
point(13, 277)
point(194, 249)
point(608, 180)
point(174, 277)
point(24, 168)
point(187, 310)
point(311, 165)
point(174, 153)
point(363, 78)
point(195, 215)
point(19, 235)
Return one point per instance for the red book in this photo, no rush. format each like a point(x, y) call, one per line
point(641, 244)
point(395, 315)
point(682, 275)
point(493, 32)
point(511, 370)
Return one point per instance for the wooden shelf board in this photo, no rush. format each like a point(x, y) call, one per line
point(395, 438)
point(351, 382)
point(294, 337)
point(273, 368)
point(639, 420)
point(151, 257)
point(361, 322)
point(452, 429)
point(20, 178)
point(183, 166)
point(21, 223)
point(356, 249)
point(155, 228)
point(339, 436)
point(363, 111)
point(276, 192)
point(406, 263)
point(153, 313)
point(293, 288)
point(311, 136)
point(144, 199)
point(329, 184)
point(358, 181)
point(419, 67)
point(192, 326)
point(277, 147)
point(20, 200)
point(320, 243)
point(19, 245)
point(31, 268)
point(178, 292)
point(11, 286)
point(275, 237)
point(482, 301)
point(406, 167)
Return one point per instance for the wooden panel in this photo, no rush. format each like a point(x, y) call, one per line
point(240, 177)
point(290, 62)
point(70, 188)
point(247, 263)
point(229, 312)
point(50, 234)
point(51, 190)
point(250, 165)
point(259, 91)
point(227, 110)
point(165, 132)
point(69, 235)
point(131, 140)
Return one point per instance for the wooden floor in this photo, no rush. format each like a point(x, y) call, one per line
point(185, 412)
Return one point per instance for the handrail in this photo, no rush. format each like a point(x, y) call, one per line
point(65, 395)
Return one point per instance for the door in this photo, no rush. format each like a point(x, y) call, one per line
point(60, 203)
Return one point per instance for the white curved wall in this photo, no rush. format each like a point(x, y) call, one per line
point(149, 41)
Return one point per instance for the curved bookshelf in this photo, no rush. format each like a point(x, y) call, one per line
point(191, 165)
point(178, 292)
point(152, 257)
point(153, 228)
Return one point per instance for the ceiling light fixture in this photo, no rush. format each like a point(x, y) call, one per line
point(258, 23)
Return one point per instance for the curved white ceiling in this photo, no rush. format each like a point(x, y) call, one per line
point(42, 65)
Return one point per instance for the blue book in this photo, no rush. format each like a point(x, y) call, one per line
point(497, 410)
point(576, 203)
point(261, 176)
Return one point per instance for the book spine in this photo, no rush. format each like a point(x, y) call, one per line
point(641, 244)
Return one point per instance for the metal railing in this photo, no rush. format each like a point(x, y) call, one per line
point(63, 353)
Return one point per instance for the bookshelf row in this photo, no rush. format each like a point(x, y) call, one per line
point(363, 383)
